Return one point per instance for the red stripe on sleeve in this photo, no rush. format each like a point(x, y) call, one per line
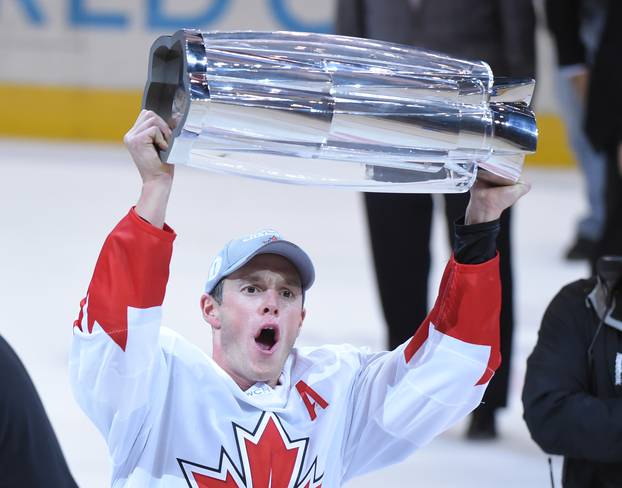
point(132, 271)
point(467, 308)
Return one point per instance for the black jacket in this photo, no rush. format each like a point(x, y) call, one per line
point(500, 32)
point(565, 19)
point(571, 408)
point(603, 121)
point(30, 456)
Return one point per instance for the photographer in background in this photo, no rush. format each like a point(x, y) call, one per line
point(572, 396)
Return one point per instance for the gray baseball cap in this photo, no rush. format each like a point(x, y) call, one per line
point(238, 252)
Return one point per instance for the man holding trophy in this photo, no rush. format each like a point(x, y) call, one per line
point(261, 412)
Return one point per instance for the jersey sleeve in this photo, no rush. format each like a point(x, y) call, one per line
point(403, 398)
point(117, 368)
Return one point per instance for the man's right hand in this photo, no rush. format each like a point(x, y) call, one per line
point(488, 201)
point(150, 134)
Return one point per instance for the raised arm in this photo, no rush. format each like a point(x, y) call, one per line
point(406, 397)
point(117, 368)
point(149, 135)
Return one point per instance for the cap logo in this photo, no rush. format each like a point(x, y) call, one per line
point(214, 268)
point(272, 234)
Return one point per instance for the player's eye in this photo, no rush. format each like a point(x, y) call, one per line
point(287, 294)
point(250, 289)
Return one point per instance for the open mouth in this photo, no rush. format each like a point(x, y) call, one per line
point(267, 338)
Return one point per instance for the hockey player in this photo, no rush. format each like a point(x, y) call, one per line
point(261, 413)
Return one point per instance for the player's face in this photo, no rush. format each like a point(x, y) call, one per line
point(259, 319)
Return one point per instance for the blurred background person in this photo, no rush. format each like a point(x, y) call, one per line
point(30, 456)
point(576, 26)
point(572, 396)
point(500, 32)
point(604, 125)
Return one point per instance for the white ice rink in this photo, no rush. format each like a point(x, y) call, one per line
point(58, 202)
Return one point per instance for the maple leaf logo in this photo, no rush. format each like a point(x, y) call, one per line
point(269, 458)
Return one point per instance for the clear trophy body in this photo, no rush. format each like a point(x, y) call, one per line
point(319, 109)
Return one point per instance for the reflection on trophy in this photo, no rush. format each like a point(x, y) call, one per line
point(317, 109)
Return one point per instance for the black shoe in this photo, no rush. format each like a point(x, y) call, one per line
point(483, 426)
point(580, 250)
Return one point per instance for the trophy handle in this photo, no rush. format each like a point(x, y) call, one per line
point(168, 88)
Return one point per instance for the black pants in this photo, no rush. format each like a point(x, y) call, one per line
point(611, 240)
point(400, 227)
point(30, 456)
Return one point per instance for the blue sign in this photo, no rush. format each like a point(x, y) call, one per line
point(156, 19)
point(80, 14)
point(33, 13)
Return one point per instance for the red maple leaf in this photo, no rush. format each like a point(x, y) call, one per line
point(272, 462)
point(207, 482)
point(269, 460)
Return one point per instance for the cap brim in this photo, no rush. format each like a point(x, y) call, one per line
point(291, 252)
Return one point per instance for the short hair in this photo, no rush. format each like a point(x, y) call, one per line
point(216, 293)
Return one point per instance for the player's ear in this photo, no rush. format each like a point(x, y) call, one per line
point(303, 314)
point(210, 310)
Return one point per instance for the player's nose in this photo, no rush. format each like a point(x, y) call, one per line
point(270, 303)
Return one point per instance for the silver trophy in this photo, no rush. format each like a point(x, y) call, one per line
point(318, 109)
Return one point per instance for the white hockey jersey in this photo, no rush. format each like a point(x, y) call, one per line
point(173, 418)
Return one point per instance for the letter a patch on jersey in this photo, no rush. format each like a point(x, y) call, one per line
point(305, 392)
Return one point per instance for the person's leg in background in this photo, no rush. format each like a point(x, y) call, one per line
point(572, 105)
point(483, 421)
point(399, 229)
point(592, 164)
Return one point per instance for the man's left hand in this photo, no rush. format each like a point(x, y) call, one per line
point(488, 201)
